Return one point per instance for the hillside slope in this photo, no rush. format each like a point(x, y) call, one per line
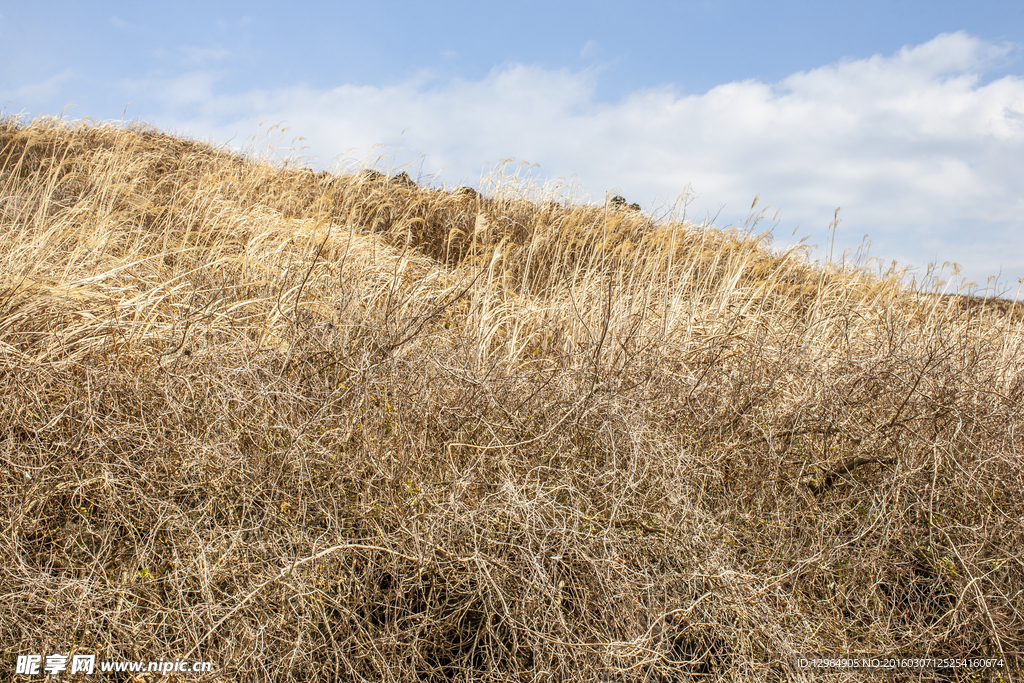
point(319, 427)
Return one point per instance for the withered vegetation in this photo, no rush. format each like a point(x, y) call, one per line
point(310, 426)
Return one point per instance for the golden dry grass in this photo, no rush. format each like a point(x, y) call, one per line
point(315, 427)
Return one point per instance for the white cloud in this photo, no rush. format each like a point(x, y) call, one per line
point(194, 56)
point(917, 150)
point(45, 89)
point(120, 23)
point(185, 90)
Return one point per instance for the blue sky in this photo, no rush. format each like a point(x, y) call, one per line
point(908, 115)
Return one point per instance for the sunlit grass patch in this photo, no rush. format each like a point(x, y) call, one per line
point(346, 426)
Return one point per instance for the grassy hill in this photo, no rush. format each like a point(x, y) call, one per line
point(319, 427)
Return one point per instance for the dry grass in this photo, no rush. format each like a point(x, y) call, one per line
point(314, 427)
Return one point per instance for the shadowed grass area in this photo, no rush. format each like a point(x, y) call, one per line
point(320, 427)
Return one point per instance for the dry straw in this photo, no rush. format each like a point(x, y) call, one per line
point(315, 426)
